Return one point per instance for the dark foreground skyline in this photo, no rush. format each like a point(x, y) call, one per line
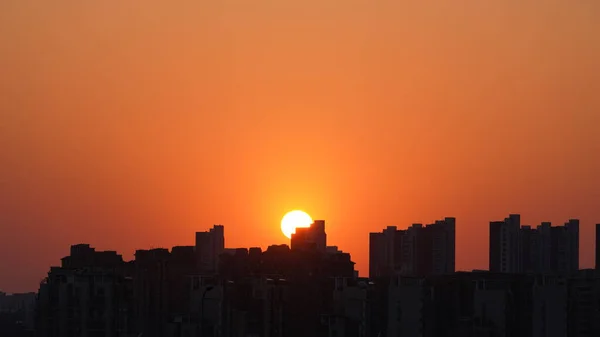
point(312, 289)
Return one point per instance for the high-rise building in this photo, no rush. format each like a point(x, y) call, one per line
point(545, 249)
point(564, 248)
point(505, 245)
point(528, 256)
point(313, 237)
point(384, 257)
point(539, 249)
point(440, 238)
point(417, 251)
point(89, 295)
point(209, 246)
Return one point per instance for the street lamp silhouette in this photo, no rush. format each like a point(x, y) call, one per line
point(209, 288)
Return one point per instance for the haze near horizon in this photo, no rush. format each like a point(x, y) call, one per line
point(131, 125)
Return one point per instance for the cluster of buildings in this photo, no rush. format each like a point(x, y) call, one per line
point(200, 290)
point(417, 251)
point(534, 288)
point(522, 249)
point(16, 314)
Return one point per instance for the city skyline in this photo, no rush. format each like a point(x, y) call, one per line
point(534, 288)
point(210, 244)
point(132, 125)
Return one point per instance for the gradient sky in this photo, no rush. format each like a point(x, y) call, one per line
point(133, 124)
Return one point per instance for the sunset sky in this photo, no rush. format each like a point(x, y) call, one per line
point(133, 124)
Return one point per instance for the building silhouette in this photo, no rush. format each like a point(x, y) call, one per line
point(312, 289)
point(17, 314)
point(90, 294)
point(209, 246)
point(385, 252)
point(197, 291)
point(309, 238)
point(286, 291)
point(462, 304)
point(417, 251)
point(505, 245)
point(522, 249)
point(151, 291)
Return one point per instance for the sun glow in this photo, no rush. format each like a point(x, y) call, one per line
point(293, 220)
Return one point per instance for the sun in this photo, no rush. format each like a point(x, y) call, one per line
point(293, 220)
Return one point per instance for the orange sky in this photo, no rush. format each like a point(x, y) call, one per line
point(132, 124)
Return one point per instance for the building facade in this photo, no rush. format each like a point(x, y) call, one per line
point(310, 238)
point(523, 249)
point(417, 251)
point(209, 246)
point(385, 254)
point(505, 245)
point(89, 295)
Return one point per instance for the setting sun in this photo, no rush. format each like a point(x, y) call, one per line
point(293, 220)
